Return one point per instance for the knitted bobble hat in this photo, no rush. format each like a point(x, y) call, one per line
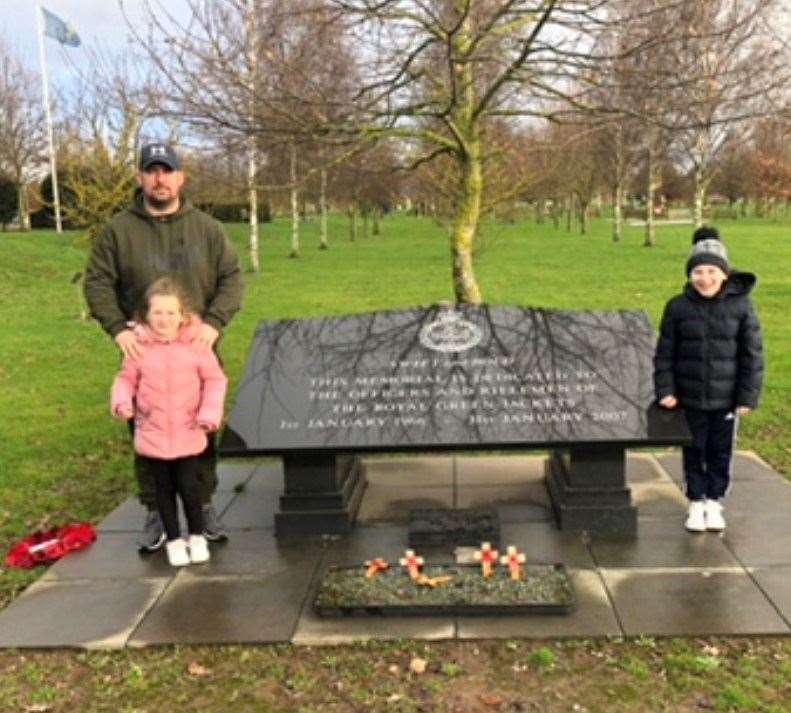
point(707, 249)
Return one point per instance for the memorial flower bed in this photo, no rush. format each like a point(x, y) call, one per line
point(445, 589)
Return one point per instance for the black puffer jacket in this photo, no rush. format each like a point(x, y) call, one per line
point(709, 354)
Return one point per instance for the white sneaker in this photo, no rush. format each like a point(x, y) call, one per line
point(177, 552)
point(199, 549)
point(696, 517)
point(714, 519)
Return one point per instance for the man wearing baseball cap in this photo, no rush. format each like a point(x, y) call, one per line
point(160, 234)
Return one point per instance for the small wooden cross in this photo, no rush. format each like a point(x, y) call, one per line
point(375, 566)
point(514, 561)
point(412, 562)
point(487, 557)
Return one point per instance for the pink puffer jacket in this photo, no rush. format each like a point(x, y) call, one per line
point(174, 389)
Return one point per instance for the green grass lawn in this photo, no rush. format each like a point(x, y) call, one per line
point(62, 458)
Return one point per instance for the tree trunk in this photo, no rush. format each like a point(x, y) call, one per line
point(653, 182)
point(353, 222)
point(583, 217)
point(375, 217)
point(323, 244)
point(253, 198)
point(465, 227)
point(294, 205)
point(569, 212)
point(23, 209)
point(468, 208)
point(252, 147)
point(701, 187)
point(617, 214)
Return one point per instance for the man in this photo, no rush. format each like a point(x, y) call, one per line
point(163, 234)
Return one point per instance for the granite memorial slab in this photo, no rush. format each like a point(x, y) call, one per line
point(319, 392)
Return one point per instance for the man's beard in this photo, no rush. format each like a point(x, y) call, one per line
point(160, 204)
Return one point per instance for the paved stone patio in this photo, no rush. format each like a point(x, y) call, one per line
point(259, 589)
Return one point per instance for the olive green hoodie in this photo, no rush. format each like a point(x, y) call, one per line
point(135, 248)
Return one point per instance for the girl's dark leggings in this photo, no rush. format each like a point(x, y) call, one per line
point(179, 476)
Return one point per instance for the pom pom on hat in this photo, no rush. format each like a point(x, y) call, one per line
point(707, 249)
point(705, 232)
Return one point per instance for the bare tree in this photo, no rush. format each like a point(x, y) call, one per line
point(268, 71)
point(734, 70)
point(22, 140)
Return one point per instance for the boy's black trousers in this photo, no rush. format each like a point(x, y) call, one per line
point(707, 462)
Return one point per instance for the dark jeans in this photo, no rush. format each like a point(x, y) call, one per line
point(177, 477)
point(707, 462)
point(207, 473)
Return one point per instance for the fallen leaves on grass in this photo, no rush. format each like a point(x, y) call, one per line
point(418, 665)
point(491, 700)
point(196, 669)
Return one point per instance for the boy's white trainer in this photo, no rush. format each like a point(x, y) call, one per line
point(177, 552)
point(199, 549)
point(696, 516)
point(714, 519)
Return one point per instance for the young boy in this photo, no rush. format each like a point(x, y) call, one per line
point(709, 361)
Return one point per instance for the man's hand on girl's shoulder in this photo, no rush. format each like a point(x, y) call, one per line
point(205, 337)
point(128, 344)
point(742, 410)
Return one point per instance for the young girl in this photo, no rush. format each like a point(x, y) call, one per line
point(175, 393)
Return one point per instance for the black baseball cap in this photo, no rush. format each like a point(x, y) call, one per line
point(159, 153)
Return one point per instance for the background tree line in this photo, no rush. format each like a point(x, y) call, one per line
point(451, 108)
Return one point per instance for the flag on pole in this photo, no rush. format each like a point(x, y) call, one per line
point(59, 30)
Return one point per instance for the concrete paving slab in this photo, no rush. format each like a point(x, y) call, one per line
point(224, 610)
point(543, 542)
point(758, 498)
point(746, 465)
point(258, 588)
point(91, 614)
point(659, 499)
point(420, 472)
point(594, 616)
point(684, 602)
point(498, 470)
point(267, 478)
point(130, 514)
point(235, 474)
point(313, 630)
point(776, 584)
point(644, 467)
point(253, 508)
point(516, 513)
point(661, 543)
point(759, 540)
point(259, 552)
point(391, 503)
point(114, 555)
point(387, 540)
point(532, 493)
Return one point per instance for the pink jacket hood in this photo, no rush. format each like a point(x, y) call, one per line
point(173, 389)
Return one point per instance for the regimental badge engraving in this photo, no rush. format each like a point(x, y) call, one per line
point(450, 333)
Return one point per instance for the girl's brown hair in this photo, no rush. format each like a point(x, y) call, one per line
point(166, 287)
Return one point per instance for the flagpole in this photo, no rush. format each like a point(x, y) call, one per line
point(50, 132)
